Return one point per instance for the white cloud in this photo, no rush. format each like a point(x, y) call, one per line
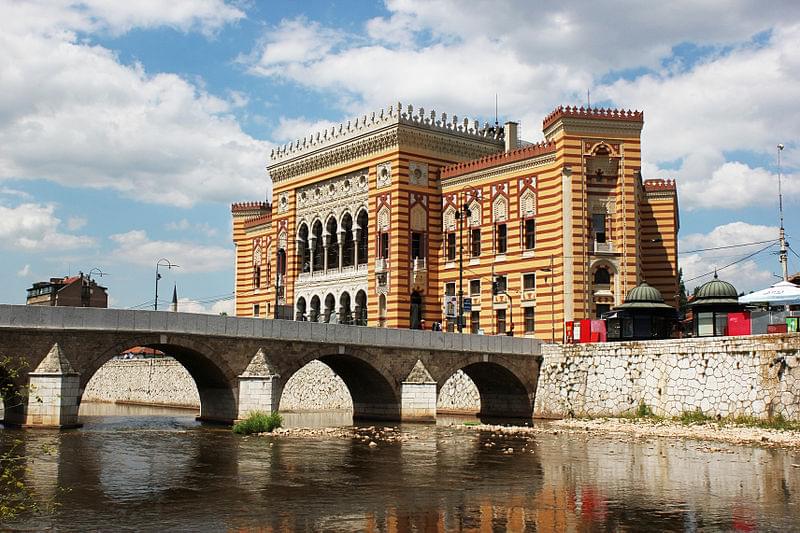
point(76, 223)
point(35, 227)
point(750, 274)
point(734, 91)
point(57, 16)
point(24, 272)
point(184, 225)
point(289, 129)
point(72, 114)
point(135, 247)
point(187, 305)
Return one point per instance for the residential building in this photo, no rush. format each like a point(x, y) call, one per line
point(70, 291)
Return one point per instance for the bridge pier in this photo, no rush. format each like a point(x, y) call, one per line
point(418, 396)
point(53, 398)
point(260, 387)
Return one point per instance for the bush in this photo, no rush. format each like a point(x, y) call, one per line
point(694, 417)
point(258, 422)
point(644, 411)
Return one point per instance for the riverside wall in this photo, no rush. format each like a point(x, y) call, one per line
point(756, 376)
point(315, 387)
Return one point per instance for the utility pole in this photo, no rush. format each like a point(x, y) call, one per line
point(783, 257)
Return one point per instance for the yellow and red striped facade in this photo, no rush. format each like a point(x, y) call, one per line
point(578, 224)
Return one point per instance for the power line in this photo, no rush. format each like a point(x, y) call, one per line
point(727, 246)
point(772, 243)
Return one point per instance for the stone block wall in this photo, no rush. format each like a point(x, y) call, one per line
point(147, 381)
point(754, 376)
point(315, 387)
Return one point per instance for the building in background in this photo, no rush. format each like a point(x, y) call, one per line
point(387, 220)
point(71, 291)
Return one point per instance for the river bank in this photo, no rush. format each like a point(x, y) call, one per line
point(630, 429)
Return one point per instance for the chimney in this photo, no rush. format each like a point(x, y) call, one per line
point(511, 135)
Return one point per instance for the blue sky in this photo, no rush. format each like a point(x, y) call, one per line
point(127, 129)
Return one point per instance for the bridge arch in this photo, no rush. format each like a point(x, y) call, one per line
point(216, 382)
point(373, 390)
point(504, 391)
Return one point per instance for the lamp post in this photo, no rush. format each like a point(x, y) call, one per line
point(552, 301)
point(461, 213)
point(784, 257)
point(159, 263)
point(99, 272)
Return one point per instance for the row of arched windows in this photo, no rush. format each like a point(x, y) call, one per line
point(336, 245)
point(348, 310)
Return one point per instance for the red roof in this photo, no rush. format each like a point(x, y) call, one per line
point(498, 159)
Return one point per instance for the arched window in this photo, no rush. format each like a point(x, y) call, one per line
point(316, 246)
point(363, 225)
point(348, 245)
point(602, 276)
point(303, 252)
point(332, 232)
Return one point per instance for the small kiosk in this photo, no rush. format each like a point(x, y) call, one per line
point(714, 306)
point(644, 315)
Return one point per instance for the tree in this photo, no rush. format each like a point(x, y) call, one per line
point(16, 496)
point(683, 300)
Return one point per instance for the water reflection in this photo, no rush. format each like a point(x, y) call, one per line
point(166, 471)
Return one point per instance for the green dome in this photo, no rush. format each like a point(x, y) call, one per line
point(643, 295)
point(716, 291)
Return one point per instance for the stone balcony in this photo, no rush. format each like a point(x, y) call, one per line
point(602, 248)
point(333, 274)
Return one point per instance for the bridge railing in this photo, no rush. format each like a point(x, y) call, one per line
point(87, 318)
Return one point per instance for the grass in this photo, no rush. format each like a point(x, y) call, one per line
point(774, 422)
point(258, 422)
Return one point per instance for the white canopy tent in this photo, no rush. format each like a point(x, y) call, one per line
point(782, 293)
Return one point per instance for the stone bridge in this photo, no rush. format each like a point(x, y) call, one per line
point(241, 364)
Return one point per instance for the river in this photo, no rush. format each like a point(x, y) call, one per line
point(142, 468)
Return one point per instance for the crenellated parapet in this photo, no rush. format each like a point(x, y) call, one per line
point(655, 185)
point(247, 207)
point(592, 113)
point(502, 158)
point(386, 117)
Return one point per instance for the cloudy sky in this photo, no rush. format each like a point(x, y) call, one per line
point(128, 128)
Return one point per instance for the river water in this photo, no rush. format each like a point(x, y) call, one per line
point(142, 468)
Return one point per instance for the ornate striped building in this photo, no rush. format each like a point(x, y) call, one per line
point(386, 220)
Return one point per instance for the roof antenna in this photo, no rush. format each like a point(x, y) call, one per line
point(496, 121)
point(588, 98)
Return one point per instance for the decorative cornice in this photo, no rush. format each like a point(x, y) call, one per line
point(258, 221)
point(392, 116)
point(500, 170)
point(592, 113)
point(498, 159)
point(396, 135)
point(241, 207)
point(659, 185)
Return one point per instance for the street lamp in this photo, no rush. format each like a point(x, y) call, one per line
point(99, 272)
point(169, 265)
point(462, 213)
point(784, 256)
point(552, 301)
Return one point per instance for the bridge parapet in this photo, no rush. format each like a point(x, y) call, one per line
point(124, 320)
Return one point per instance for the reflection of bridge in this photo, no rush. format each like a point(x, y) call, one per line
point(241, 364)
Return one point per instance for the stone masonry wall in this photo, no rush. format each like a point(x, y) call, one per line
point(148, 381)
point(754, 376)
point(315, 387)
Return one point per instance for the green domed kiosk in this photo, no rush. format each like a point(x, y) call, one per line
point(644, 315)
point(711, 305)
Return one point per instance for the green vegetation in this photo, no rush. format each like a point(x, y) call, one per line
point(694, 417)
point(644, 411)
point(258, 422)
point(774, 422)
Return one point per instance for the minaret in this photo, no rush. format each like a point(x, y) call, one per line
point(174, 306)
